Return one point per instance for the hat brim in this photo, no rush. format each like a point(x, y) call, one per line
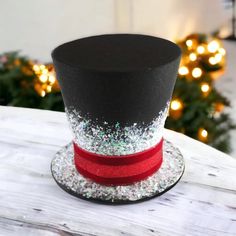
point(69, 179)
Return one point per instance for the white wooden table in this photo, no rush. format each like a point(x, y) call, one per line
point(31, 203)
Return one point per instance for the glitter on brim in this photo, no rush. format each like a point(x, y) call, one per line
point(67, 177)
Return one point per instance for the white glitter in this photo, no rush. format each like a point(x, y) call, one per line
point(66, 175)
point(113, 139)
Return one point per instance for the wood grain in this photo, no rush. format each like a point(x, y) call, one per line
point(202, 203)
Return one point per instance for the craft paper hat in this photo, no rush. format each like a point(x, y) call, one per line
point(116, 89)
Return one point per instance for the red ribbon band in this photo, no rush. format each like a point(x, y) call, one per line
point(118, 170)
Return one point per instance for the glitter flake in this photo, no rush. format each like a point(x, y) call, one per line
point(113, 139)
point(66, 175)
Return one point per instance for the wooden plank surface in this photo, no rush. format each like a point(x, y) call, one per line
point(202, 203)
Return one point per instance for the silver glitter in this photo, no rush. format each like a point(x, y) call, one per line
point(66, 175)
point(113, 139)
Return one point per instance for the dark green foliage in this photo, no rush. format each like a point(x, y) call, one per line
point(17, 85)
point(201, 111)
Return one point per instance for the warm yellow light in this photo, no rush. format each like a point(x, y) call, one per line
point(222, 51)
point(204, 133)
point(42, 67)
point(193, 56)
point(219, 107)
point(49, 88)
point(183, 70)
point(36, 68)
point(43, 93)
point(176, 104)
point(51, 79)
point(212, 60)
point(196, 72)
point(213, 46)
point(43, 78)
point(189, 43)
point(205, 87)
point(45, 71)
point(200, 49)
point(218, 57)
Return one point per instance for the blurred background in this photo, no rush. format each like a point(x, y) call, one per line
point(204, 101)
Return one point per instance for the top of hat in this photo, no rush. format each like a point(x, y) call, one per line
point(117, 52)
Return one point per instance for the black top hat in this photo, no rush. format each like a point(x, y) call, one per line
point(116, 80)
point(116, 89)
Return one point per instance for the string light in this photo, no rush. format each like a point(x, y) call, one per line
point(45, 71)
point(43, 78)
point(218, 57)
point(36, 68)
point(189, 43)
point(212, 60)
point(49, 88)
point(219, 107)
point(196, 72)
point(222, 51)
point(205, 88)
point(202, 134)
point(199, 60)
point(46, 79)
point(197, 53)
point(200, 49)
point(176, 108)
point(183, 70)
point(42, 67)
point(43, 93)
point(192, 56)
point(176, 104)
point(51, 79)
point(213, 46)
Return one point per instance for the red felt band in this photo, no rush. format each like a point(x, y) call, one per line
point(118, 170)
